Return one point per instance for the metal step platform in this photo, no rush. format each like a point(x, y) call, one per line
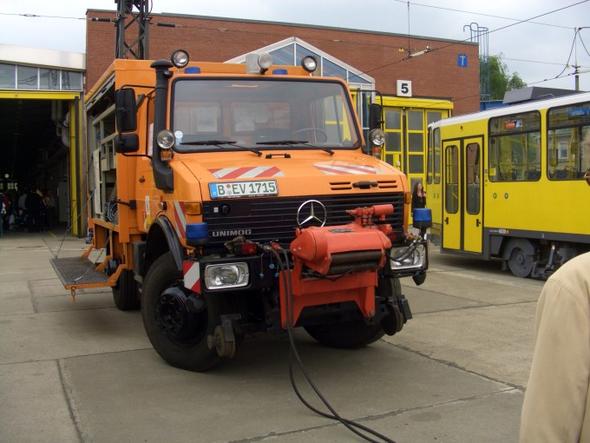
point(78, 272)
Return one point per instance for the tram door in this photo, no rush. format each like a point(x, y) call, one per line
point(462, 222)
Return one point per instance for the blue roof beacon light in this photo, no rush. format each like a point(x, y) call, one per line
point(192, 70)
point(280, 72)
point(422, 218)
point(197, 234)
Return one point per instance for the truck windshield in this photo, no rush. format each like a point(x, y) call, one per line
point(300, 114)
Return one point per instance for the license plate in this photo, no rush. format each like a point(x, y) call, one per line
point(243, 189)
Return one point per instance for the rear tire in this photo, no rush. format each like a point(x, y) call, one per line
point(180, 337)
point(126, 293)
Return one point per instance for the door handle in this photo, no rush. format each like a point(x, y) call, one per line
point(446, 220)
point(477, 222)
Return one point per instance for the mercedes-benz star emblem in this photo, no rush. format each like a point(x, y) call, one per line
point(311, 213)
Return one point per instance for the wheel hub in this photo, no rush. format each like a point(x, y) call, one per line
point(176, 313)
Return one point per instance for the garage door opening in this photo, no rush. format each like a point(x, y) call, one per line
point(39, 145)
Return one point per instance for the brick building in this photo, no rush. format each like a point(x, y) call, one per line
point(449, 71)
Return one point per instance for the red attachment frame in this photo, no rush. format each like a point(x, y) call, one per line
point(318, 249)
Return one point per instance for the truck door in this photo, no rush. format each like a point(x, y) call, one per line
point(451, 220)
point(472, 196)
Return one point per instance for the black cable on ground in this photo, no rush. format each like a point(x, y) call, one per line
point(294, 355)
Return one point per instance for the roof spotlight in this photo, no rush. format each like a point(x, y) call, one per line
point(180, 58)
point(264, 61)
point(309, 63)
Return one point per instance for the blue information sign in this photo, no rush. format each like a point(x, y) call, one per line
point(462, 60)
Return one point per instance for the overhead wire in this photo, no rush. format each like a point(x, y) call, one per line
point(488, 32)
point(567, 65)
point(465, 11)
point(582, 41)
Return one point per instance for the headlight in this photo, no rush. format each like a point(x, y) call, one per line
point(309, 63)
point(227, 275)
point(377, 137)
point(408, 258)
point(165, 139)
point(180, 58)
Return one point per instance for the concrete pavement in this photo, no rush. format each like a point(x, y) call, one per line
point(84, 371)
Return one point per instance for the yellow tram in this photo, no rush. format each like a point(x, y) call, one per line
point(512, 183)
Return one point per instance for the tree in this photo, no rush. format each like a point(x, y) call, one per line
point(500, 80)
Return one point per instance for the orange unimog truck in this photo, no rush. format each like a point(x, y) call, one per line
point(232, 199)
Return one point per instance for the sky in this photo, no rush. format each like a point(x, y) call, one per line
point(537, 50)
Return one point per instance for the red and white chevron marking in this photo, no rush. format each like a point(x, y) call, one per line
point(191, 275)
point(338, 168)
point(247, 172)
point(180, 218)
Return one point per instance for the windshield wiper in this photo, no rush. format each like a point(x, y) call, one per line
point(221, 144)
point(296, 142)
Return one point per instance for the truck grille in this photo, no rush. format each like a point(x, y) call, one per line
point(274, 219)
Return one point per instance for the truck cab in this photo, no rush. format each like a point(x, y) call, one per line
point(233, 199)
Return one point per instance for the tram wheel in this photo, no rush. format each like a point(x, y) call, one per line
point(520, 257)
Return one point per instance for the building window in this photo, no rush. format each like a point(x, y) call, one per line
point(331, 69)
point(7, 76)
point(71, 81)
point(49, 79)
point(353, 78)
point(27, 77)
point(283, 56)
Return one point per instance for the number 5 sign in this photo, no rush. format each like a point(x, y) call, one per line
point(404, 88)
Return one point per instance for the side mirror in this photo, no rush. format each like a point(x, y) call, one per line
point(125, 110)
point(375, 113)
point(125, 143)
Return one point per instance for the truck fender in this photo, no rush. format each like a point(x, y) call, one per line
point(162, 238)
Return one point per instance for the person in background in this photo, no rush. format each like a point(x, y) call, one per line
point(49, 203)
point(418, 197)
point(34, 205)
point(556, 404)
point(3, 211)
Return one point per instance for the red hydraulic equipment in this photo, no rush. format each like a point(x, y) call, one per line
point(335, 264)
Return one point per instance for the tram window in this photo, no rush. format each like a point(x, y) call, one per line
point(568, 142)
point(515, 147)
point(452, 179)
point(416, 142)
point(473, 182)
point(393, 141)
point(436, 159)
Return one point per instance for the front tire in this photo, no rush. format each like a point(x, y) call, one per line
point(177, 333)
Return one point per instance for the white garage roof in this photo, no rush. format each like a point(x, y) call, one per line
point(42, 57)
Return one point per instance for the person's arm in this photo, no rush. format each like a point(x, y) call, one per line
point(555, 400)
